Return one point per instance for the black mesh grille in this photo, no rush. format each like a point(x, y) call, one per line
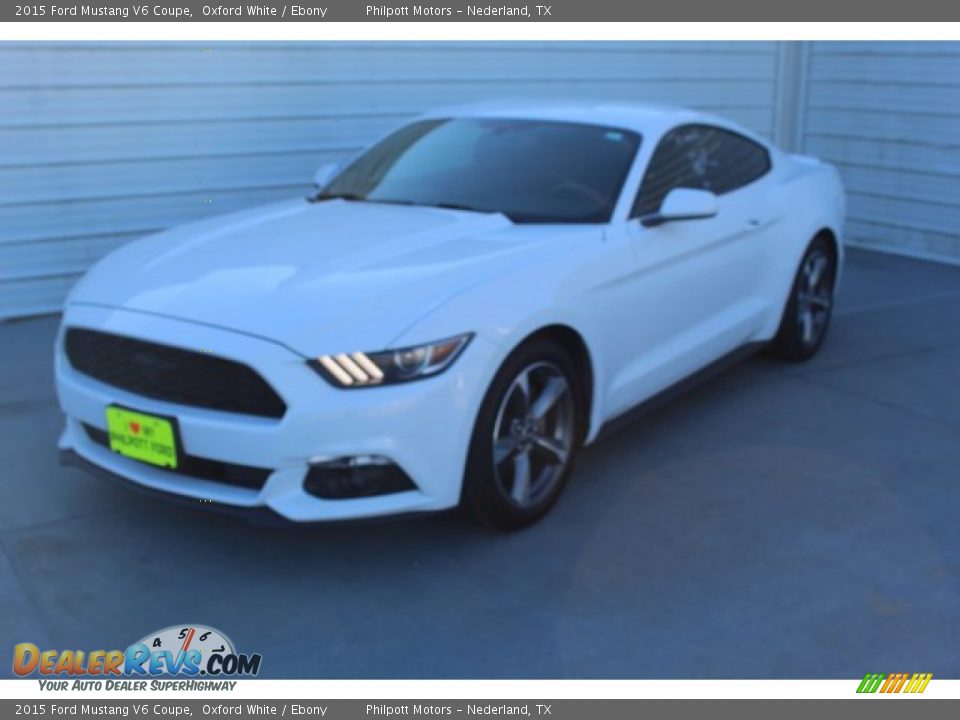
point(171, 374)
point(227, 473)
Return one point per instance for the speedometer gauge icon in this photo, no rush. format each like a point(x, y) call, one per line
point(178, 640)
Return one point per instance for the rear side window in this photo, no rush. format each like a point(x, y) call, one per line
point(701, 157)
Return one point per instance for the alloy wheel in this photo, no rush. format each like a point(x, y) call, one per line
point(814, 297)
point(533, 436)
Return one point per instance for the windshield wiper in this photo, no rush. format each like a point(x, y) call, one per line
point(353, 197)
point(458, 206)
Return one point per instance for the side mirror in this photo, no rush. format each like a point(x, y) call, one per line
point(683, 204)
point(325, 174)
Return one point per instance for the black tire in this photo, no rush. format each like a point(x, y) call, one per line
point(485, 494)
point(806, 317)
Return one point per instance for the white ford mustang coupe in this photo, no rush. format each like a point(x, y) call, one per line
point(450, 317)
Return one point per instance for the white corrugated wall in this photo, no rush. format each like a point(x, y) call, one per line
point(101, 143)
point(888, 115)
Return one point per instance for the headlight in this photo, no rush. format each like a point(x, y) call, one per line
point(358, 369)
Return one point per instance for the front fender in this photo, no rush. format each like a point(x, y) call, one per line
point(507, 312)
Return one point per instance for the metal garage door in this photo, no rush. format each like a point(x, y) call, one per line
point(888, 115)
point(100, 144)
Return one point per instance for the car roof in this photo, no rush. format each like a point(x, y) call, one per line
point(650, 119)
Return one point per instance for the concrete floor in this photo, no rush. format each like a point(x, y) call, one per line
point(779, 521)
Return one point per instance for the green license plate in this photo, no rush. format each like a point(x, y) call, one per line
point(143, 437)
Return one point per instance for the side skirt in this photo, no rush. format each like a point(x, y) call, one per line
point(681, 387)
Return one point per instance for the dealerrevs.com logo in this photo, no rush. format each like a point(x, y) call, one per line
point(180, 650)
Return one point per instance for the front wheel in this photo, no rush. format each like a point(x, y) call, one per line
point(810, 305)
point(525, 439)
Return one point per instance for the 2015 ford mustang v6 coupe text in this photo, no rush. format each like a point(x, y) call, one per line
point(451, 316)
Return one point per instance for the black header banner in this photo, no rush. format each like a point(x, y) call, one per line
point(479, 11)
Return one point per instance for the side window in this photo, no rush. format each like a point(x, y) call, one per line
point(739, 161)
point(700, 157)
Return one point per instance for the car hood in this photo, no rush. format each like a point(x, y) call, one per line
point(323, 277)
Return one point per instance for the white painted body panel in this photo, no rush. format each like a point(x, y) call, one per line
point(275, 286)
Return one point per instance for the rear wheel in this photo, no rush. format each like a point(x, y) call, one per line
point(810, 305)
point(525, 439)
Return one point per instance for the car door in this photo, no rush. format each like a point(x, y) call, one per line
point(697, 282)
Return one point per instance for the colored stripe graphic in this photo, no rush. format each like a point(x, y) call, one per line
point(894, 683)
point(871, 682)
point(918, 683)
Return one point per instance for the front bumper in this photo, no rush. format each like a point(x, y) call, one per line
point(424, 427)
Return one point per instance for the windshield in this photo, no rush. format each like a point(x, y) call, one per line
point(532, 171)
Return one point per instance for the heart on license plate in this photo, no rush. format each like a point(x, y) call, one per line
point(143, 437)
